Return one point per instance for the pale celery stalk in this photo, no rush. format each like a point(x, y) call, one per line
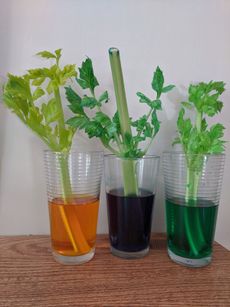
point(66, 183)
point(193, 171)
point(128, 165)
point(194, 166)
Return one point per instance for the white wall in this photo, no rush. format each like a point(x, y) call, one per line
point(188, 39)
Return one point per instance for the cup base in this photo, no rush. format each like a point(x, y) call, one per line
point(129, 255)
point(193, 263)
point(74, 260)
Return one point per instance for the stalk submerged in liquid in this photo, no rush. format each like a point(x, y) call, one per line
point(199, 224)
point(81, 213)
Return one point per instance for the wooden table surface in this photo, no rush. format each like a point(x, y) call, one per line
point(30, 277)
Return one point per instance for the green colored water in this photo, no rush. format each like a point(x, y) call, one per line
point(191, 228)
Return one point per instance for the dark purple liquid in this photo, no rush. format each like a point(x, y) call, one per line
point(129, 220)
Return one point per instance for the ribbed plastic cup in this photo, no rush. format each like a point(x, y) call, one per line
point(73, 188)
point(130, 190)
point(192, 198)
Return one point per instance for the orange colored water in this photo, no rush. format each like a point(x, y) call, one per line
point(73, 225)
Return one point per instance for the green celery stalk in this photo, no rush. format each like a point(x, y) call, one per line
point(194, 166)
point(193, 169)
point(128, 165)
point(65, 179)
point(20, 94)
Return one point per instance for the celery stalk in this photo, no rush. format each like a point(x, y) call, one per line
point(65, 177)
point(129, 175)
point(194, 166)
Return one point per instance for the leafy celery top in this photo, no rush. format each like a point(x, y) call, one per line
point(120, 134)
point(26, 96)
point(196, 138)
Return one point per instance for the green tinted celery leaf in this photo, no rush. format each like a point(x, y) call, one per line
point(89, 102)
point(134, 153)
point(156, 104)
point(168, 88)
point(50, 111)
point(206, 141)
point(102, 118)
point(216, 133)
point(19, 86)
point(130, 150)
point(143, 98)
point(39, 92)
point(116, 121)
point(65, 137)
point(79, 122)
point(184, 128)
point(158, 81)
point(49, 55)
point(39, 74)
point(153, 104)
point(143, 128)
point(66, 73)
point(34, 121)
point(50, 87)
point(46, 54)
point(204, 124)
point(148, 130)
point(38, 81)
point(140, 123)
point(94, 129)
point(138, 138)
point(75, 101)
point(109, 127)
point(21, 94)
point(128, 140)
point(87, 78)
point(155, 122)
point(197, 142)
point(56, 75)
point(17, 95)
point(72, 96)
point(205, 97)
point(104, 97)
point(100, 125)
point(17, 105)
point(58, 54)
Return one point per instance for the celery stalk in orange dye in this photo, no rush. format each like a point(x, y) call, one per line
point(81, 213)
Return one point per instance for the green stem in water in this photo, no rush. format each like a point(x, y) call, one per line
point(194, 166)
point(129, 177)
point(66, 183)
point(128, 167)
point(193, 163)
point(65, 178)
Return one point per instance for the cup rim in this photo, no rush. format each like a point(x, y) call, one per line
point(145, 157)
point(191, 154)
point(74, 151)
